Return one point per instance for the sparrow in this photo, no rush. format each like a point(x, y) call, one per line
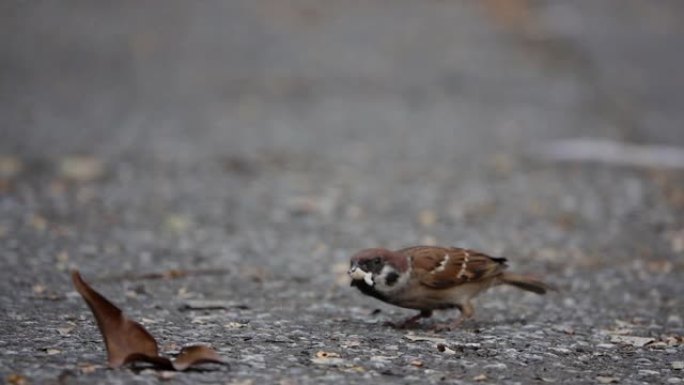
point(428, 278)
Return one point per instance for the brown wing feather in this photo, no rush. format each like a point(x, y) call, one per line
point(462, 265)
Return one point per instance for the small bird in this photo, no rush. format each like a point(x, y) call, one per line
point(428, 278)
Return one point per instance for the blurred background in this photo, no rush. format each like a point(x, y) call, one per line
point(408, 78)
point(212, 130)
point(266, 141)
point(217, 129)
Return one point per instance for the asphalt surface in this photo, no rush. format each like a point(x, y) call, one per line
point(255, 145)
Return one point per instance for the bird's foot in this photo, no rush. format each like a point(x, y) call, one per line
point(410, 322)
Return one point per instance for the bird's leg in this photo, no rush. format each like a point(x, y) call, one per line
point(467, 312)
point(411, 321)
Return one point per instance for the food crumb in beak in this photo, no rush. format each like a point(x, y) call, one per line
point(357, 274)
point(368, 278)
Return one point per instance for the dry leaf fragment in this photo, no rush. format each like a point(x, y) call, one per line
point(87, 368)
point(16, 379)
point(236, 325)
point(327, 358)
point(631, 340)
point(38, 289)
point(415, 338)
point(127, 341)
point(66, 330)
point(123, 337)
point(673, 340)
point(322, 354)
point(195, 355)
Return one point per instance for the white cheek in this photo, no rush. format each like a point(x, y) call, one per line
point(381, 281)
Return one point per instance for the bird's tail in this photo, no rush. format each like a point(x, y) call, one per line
point(526, 282)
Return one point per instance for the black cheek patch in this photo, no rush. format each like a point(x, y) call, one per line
point(391, 279)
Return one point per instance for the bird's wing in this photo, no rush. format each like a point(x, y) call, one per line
point(442, 268)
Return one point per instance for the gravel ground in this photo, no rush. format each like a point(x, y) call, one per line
point(255, 146)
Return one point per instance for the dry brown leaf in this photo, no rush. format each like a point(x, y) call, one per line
point(327, 358)
point(16, 379)
point(631, 340)
point(673, 340)
point(123, 337)
point(195, 355)
point(87, 368)
point(127, 341)
point(322, 354)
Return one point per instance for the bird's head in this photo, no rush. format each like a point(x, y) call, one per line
point(378, 268)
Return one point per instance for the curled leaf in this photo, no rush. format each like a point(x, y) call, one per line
point(194, 355)
point(127, 341)
point(124, 338)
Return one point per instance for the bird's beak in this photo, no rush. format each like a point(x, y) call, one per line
point(357, 274)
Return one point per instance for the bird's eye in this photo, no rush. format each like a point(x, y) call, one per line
point(377, 261)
